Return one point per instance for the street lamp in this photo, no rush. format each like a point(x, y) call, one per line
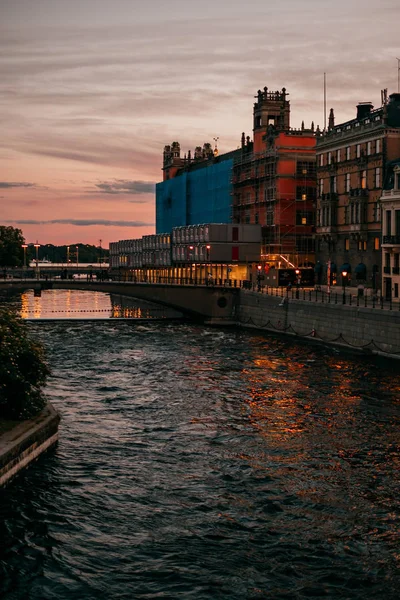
point(24, 246)
point(344, 282)
point(77, 256)
point(298, 279)
point(37, 246)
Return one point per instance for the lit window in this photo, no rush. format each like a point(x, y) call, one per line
point(378, 146)
point(303, 221)
point(348, 153)
point(347, 244)
point(376, 243)
point(363, 180)
point(358, 150)
point(369, 148)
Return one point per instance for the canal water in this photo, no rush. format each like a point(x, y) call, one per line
point(207, 464)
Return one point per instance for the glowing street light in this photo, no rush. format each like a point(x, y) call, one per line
point(344, 282)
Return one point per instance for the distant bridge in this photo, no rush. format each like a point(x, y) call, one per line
point(209, 303)
point(55, 270)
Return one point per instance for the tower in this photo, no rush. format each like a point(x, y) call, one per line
point(172, 160)
point(272, 109)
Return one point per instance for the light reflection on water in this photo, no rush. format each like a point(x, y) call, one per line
point(80, 304)
point(207, 464)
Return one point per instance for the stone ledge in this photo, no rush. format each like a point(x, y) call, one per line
point(26, 441)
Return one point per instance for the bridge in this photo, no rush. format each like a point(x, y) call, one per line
point(52, 270)
point(209, 303)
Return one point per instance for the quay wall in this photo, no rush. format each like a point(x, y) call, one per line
point(369, 330)
point(26, 441)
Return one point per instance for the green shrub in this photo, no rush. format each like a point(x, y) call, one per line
point(23, 370)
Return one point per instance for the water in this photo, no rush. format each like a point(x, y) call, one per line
point(207, 464)
point(80, 304)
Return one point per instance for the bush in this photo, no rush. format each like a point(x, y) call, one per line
point(23, 370)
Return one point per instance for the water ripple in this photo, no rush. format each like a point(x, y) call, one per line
point(207, 464)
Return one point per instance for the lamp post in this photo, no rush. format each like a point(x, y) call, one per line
point(77, 256)
point(37, 246)
point(24, 246)
point(298, 279)
point(344, 282)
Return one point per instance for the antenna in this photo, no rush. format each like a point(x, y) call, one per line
point(324, 101)
point(398, 75)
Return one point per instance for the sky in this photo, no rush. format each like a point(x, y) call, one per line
point(92, 90)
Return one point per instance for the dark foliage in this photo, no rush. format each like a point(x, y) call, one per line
point(11, 252)
point(23, 370)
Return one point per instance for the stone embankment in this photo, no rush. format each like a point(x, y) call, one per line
point(26, 441)
point(369, 330)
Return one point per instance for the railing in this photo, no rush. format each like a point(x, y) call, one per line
point(391, 239)
point(286, 293)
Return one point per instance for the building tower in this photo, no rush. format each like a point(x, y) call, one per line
point(272, 109)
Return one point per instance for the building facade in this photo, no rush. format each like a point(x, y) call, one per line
point(390, 202)
point(274, 182)
point(194, 190)
point(352, 162)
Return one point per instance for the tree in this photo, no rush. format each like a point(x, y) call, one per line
point(11, 240)
point(23, 370)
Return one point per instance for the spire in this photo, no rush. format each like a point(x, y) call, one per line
point(331, 122)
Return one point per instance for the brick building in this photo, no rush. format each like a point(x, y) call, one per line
point(352, 161)
point(274, 182)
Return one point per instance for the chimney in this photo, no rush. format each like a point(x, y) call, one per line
point(363, 109)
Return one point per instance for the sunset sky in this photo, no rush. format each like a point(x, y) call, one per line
point(92, 90)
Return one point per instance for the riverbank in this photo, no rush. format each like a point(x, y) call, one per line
point(368, 330)
point(22, 442)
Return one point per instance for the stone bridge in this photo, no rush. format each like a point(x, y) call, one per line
point(211, 304)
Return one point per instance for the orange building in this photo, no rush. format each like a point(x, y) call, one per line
point(274, 182)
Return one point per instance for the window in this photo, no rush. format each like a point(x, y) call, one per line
point(347, 182)
point(235, 234)
point(369, 148)
point(377, 212)
point(363, 180)
point(358, 150)
point(304, 197)
point(397, 181)
point(270, 217)
point(346, 215)
point(338, 156)
point(377, 244)
point(304, 217)
point(387, 260)
point(377, 177)
point(348, 153)
point(396, 290)
point(378, 146)
point(388, 222)
point(329, 158)
point(362, 245)
point(256, 218)
point(346, 244)
point(321, 187)
point(397, 221)
point(321, 160)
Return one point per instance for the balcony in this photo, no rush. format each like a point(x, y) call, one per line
point(392, 240)
point(358, 192)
